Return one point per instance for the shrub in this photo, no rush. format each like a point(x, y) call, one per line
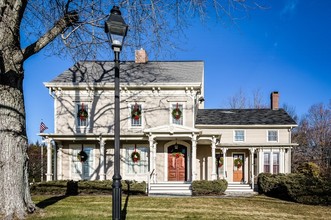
point(296, 187)
point(309, 169)
point(205, 187)
point(85, 187)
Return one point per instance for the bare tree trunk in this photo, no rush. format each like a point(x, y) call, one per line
point(15, 198)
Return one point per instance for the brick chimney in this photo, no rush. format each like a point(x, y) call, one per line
point(141, 56)
point(274, 100)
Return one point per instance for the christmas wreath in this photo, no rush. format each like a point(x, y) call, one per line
point(176, 113)
point(82, 113)
point(135, 156)
point(82, 156)
point(238, 162)
point(136, 112)
point(220, 162)
point(178, 154)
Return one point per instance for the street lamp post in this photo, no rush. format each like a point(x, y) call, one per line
point(116, 29)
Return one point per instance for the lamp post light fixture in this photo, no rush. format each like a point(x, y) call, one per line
point(116, 29)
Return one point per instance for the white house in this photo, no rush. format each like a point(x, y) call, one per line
point(164, 120)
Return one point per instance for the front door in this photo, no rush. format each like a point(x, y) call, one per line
point(177, 163)
point(238, 167)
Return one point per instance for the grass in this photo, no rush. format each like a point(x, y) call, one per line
point(142, 207)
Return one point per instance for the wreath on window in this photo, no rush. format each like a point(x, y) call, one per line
point(135, 156)
point(220, 162)
point(82, 113)
point(176, 113)
point(82, 156)
point(238, 162)
point(136, 112)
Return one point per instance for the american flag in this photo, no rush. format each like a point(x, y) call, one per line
point(43, 127)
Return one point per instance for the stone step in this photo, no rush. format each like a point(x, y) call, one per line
point(170, 188)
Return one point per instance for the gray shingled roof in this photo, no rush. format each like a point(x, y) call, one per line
point(243, 117)
point(132, 73)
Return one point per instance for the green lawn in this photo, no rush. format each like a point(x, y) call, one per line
point(142, 207)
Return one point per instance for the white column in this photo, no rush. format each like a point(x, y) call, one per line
point(281, 160)
point(194, 157)
point(225, 162)
point(49, 160)
point(152, 151)
point(261, 160)
point(60, 159)
point(102, 159)
point(252, 150)
point(213, 156)
point(289, 154)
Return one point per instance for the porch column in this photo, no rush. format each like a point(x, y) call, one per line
point(261, 161)
point(213, 156)
point(194, 157)
point(59, 168)
point(49, 173)
point(225, 162)
point(102, 159)
point(252, 150)
point(152, 159)
point(281, 160)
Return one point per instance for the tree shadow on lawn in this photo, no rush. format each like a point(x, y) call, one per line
point(50, 201)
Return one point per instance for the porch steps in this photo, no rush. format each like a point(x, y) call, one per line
point(239, 189)
point(170, 189)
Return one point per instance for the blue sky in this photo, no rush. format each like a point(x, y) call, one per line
point(285, 48)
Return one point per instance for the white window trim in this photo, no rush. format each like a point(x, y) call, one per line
point(183, 111)
point(142, 116)
point(277, 135)
point(234, 136)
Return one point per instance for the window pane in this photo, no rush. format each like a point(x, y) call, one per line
point(267, 162)
point(135, 117)
point(82, 121)
point(139, 167)
point(239, 135)
point(178, 121)
point(275, 161)
point(272, 136)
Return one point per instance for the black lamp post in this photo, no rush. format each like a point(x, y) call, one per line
point(116, 29)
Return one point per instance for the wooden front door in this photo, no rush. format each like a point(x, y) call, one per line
point(238, 170)
point(177, 163)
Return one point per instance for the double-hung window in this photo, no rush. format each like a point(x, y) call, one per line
point(272, 135)
point(136, 115)
point(266, 163)
point(177, 113)
point(239, 135)
point(139, 166)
